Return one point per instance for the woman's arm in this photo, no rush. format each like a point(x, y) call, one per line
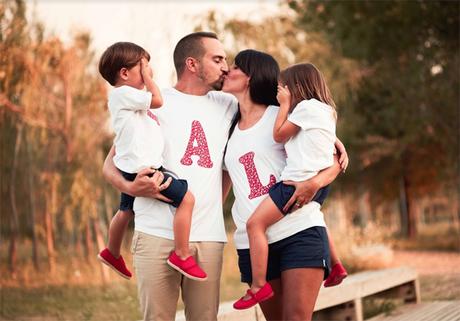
point(142, 186)
point(306, 190)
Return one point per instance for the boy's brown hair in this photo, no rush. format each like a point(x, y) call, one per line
point(120, 55)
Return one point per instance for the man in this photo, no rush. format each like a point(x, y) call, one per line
point(195, 125)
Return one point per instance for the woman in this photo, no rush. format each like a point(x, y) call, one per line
point(298, 252)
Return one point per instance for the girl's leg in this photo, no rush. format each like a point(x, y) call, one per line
point(266, 214)
point(273, 308)
point(300, 288)
point(117, 230)
point(334, 257)
point(338, 272)
point(181, 226)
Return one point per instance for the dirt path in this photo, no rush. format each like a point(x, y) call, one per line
point(429, 263)
point(439, 273)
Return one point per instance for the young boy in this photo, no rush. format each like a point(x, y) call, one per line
point(139, 144)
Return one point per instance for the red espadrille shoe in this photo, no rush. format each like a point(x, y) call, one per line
point(187, 267)
point(263, 294)
point(338, 273)
point(118, 265)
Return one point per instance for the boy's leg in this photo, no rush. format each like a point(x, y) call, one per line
point(181, 225)
point(266, 214)
point(158, 285)
point(117, 230)
point(201, 299)
point(334, 257)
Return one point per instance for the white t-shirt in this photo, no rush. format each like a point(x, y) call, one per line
point(196, 131)
point(312, 148)
point(138, 139)
point(255, 161)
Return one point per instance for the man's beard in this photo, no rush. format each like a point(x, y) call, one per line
point(215, 85)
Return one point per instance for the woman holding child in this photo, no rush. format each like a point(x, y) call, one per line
point(298, 257)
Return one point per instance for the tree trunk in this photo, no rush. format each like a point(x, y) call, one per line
point(14, 209)
point(412, 210)
point(101, 246)
point(32, 205)
point(89, 247)
point(403, 208)
point(51, 208)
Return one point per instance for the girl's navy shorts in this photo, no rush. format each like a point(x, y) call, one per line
point(306, 249)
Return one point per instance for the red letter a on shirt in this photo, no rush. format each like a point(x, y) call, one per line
point(256, 187)
point(201, 149)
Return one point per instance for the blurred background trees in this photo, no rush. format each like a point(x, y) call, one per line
point(393, 69)
point(53, 139)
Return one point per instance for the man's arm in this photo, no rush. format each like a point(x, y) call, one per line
point(142, 186)
point(306, 190)
point(226, 185)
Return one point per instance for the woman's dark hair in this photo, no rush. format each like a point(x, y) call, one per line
point(263, 72)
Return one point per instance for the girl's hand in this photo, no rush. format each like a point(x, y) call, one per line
point(146, 70)
point(284, 96)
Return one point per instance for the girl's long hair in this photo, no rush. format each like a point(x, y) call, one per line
point(305, 82)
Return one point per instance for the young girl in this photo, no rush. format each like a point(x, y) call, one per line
point(139, 144)
point(306, 124)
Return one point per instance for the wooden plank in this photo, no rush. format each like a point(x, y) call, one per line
point(363, 284)
point(429, 311)
point(343, 301)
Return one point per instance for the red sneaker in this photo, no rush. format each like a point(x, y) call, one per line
point(338, 273)
point(263, 294)
point(187, 267)
point(118, 265)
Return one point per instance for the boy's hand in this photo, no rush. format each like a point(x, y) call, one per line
point(284, 96)
point(146, 70)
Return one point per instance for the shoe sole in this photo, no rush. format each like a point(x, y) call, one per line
point(185, 273)
point(265, 299)
point(113, 268)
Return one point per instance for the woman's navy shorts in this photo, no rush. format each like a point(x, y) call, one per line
point(281, 193)
point(175, 191)
point(306, 249)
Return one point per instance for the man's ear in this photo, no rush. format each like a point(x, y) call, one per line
point(191, 64)
point(123, 73)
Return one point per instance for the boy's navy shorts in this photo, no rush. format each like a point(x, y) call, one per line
point(306, 249)
point(175, 191)
point(280, 193)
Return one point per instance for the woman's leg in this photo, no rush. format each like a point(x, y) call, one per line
point(300, 288)
point(117, 230)
point(273, 308)
point(181, 226)
point(266, 214)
